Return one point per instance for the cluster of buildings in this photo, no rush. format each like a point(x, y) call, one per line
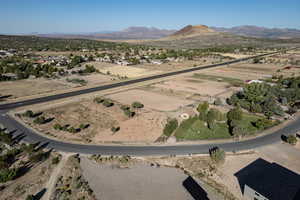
point(4, 53)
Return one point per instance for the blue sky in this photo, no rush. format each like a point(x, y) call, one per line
point(48, 16)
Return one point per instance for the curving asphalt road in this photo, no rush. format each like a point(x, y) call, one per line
point(21, 132)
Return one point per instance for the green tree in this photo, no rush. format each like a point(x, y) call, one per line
point(291, 139)
point(217, 155)
point(137, 104)
point(203, 108)
point(235, 114)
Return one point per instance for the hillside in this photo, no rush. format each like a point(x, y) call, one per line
point(201, 36)
point(131, 33)
point(192, 31)
point(261, 32)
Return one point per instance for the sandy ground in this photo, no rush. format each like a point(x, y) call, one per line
point(128, 71)
point(150, 100)
point(236, 56)
point(204, 87)
point(140, 181)
point(93, 79)
point(282, 154)
point(50, 185)
point(32, 183)
point(28, 87)
point(145, 126)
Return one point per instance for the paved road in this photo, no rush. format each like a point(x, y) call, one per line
point(28, 135)
point(9, 106)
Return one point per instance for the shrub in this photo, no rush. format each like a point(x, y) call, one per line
point(291, 139)
point(37, 157)
point(263, 123)
point(170, 127)
point(107, 103)
point(125, 107)
point(55, 160)
point(28, 113)
point(57, 127)
point(72, 130)
point(129, 113)
point(83, 126)
point(203, 108)
point(5, 137)
point(235, 114)
point(115, 129)
point(217, 155)
point(255, 108)
point(7, 174)
point(30, 197)
point(98, 100)
point(40, 120)
point(137, 104)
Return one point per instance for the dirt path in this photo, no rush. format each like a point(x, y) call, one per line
point(50, 185)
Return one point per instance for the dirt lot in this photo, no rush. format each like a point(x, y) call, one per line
point(32, 183)
point(145, 126)
point(245, 71)
point(124, 71)
point(29, 87)
point(151, 100)
point(138, 181)
point(193, 86)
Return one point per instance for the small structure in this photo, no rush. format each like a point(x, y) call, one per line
point(262, 180)
point(253, 81)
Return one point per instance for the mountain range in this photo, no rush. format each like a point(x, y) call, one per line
point(142, 33)
point(261, 32)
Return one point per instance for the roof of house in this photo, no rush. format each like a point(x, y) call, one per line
point(271, 180)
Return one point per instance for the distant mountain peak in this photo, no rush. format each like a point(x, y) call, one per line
point(191, 31)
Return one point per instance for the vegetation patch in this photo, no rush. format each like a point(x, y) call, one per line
point(232, 81)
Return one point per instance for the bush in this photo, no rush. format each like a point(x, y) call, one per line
point(98, 100)
point(129, 113)
point(107, 103)
point(203, 108)
point(235, 114)
point(263, 123)
point(7, 174)
point(291, 139)
point(57, 127)
point(40, 120)
point(125, 107)
point(37, 157)
point(28, 113)
point(30, 197)
point(137, 104)
point(115, 129)
point(83, 126)
point(170, 127)
point(217, 155)
point(55, 160)
point(72, 130)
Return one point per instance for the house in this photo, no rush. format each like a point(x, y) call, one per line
point(156, 62)
point(262, 180)
point(253, 81)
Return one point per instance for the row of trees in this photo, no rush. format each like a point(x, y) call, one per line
point(268, 99)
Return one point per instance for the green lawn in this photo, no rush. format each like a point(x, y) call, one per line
point(195, 129)
point(232, 81)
